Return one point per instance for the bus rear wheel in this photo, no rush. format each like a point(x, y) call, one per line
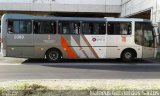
point(53, 55)
point(128, 55)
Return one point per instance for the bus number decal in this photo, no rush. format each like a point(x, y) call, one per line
point(18, 37)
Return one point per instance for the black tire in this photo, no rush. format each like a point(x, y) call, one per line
point(53, 55)
point(128, 55)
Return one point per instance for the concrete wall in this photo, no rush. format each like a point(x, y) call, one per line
point(133, 7)
point(100, 6)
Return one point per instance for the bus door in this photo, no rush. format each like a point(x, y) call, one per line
point(20, 38)
point(93, 39)
point(148, 41)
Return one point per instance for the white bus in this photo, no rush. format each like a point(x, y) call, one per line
point(55, 38)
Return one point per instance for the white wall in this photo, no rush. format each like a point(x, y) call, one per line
point(104, 6)
point(95, 2)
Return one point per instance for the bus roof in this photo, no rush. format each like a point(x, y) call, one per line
point(26, 16)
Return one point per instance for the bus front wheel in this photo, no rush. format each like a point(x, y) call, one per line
point(53, 55)
point(128, 55)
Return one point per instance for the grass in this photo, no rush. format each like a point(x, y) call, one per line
point(24, 90)
point(69, 87)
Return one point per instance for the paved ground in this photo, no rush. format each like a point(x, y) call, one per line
point(13, 69)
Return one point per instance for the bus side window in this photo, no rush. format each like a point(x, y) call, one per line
point(64, 27)
point(0, 27)
point(76, 28)
point(69, 27)
point(44, 27)
point(119, 28)
point(102, 28)
point(91, 28)
point(36, 27)
point(54, 27)
point(25, 27)
point(10, 27)
point(19, 27)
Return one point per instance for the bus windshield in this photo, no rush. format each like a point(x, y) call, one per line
point(144, 34)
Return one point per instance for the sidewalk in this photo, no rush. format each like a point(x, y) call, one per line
point(11, 60)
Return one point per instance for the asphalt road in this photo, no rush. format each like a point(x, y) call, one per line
point(79, 69)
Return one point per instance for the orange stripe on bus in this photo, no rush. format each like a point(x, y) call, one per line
point(69, 51)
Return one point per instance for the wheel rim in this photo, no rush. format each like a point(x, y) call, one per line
point(128, 55)
point(53, 55)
